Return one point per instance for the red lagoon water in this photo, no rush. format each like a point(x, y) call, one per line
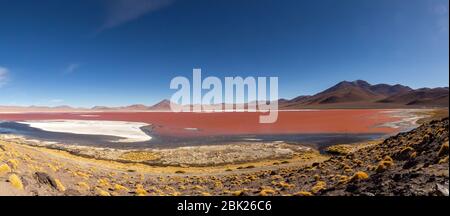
point(237, 123)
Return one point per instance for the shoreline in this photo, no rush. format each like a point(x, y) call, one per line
point(205, 155)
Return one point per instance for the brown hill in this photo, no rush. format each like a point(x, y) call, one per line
point(163, 105)
point(389, 90)
point(136, 107)
point(421, 97)
point(345, 92)
point(361, 94)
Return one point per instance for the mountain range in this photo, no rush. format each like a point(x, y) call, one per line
point(361, 94)
point(346, 94)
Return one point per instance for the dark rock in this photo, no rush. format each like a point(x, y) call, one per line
point(46, 179)
point(410, 163)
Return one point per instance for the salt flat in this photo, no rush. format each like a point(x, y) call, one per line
point(129, 131)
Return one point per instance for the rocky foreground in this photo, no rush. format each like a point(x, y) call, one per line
point(412, 163)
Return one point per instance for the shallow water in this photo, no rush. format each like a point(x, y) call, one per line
point(317, 141)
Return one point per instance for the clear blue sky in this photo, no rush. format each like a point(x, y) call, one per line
point(119, 52)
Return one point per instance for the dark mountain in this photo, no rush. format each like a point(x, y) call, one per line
point(421, 97)
point(389, 90)
point(344, 92)
point(163, 105)
point(361, 94)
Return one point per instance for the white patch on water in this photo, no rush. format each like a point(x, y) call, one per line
point(252, 139)
point(408, 118)
point(191, 129)
point(129, 131)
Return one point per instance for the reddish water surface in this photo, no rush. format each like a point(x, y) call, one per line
point(237, 123)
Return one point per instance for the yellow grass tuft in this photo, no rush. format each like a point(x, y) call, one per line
point(52, 167)
point(83, 185)
point(82, 174)
point(316, 177)
point(59, 186)
point(118, 187)
point(320, 185)
point(388, 158)
point(237, 193)
point(4, 169)
point(101, 192)
point(384, 164)
point(358, 176)
point(266, 192)
point(140, 191)
point(343, 179)
point(285, 185)
point(104, 183)
point(205, 194)
point(303, 193)
point(198, 187)
point(15, 181)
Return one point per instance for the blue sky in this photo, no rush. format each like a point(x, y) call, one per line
point(120, 52)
